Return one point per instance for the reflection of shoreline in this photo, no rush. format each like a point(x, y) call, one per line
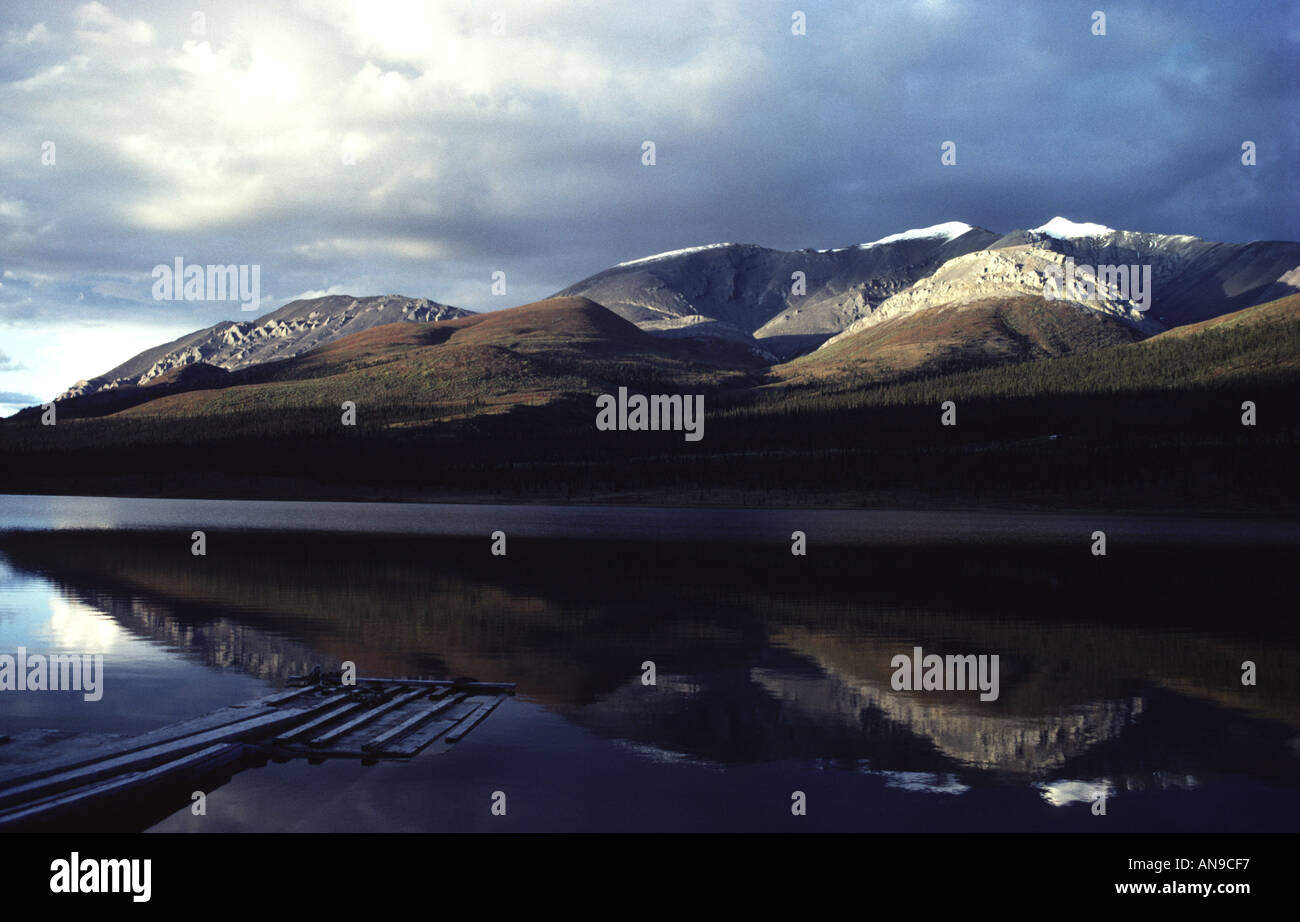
point(911, 524)
point(788, 711)
point(971, 736)
point(218, 642)
point(1016, 735)
point(747, 672)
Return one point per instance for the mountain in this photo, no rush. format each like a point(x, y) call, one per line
point(732, 305)
point(1257, 346)
point(1189, 280)
point(409, 374)
point(1192, 279)
point(949, 337)
point(502, 406)
point(744, 293)
point(293, 329)
point(1018, 273)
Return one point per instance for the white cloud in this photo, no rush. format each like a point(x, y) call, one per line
point(37, 34)
point(57, 354)
point(401, 248)
point(98, 23)
point(318, 293)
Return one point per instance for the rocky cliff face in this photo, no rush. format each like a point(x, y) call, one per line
point(1190, 279)
point(747, 293)
point(1016, 270)
point(291, 330)
point(777, 305)
point(750, 293)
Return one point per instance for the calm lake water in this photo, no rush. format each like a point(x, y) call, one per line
point(1119, 674)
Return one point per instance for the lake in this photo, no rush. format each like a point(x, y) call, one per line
point(1120, 675)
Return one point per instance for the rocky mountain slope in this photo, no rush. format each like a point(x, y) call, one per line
point(1190, 279)
point(746, 294)
point(738, 304)
point(296, 328)
point(743, 292)
point(953, 337)
point(502, 405)
point(408, 374)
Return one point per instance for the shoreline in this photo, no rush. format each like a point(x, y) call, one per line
point(714, 499)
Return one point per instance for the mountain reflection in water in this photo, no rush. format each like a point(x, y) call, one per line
point(1117, 675)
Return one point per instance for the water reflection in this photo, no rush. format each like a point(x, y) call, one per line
point(1109, 685)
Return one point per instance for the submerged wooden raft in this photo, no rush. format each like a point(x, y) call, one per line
point(373, 720)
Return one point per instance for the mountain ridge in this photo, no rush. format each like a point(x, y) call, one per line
point(749, 303)
point(747, 293)
point(292, 329)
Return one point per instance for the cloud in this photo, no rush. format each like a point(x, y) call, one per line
point(14, 398)
point(35, 35)
point(320, 293)
point(12, 210)
point(97, 23)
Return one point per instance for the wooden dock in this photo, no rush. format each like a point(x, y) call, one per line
point(373, 720)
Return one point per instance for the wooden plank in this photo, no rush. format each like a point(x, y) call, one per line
point(219, 753)
point(281, 697)
point(412, 743)
point(107, 768)
point(347, 707)
point(426, 734)
point(146, 758)
point(226, 716)
point(474, 719)
point(367, 716)
point(16, 774)
point(410, 723)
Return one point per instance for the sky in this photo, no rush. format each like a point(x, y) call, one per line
point(418, 148)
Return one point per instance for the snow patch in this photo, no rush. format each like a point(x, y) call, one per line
point(1064, 792)
point(950, 230)
point(1065, 229)
point(671, 253)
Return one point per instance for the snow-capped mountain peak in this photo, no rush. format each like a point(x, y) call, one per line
point(950, 230)
point(671, 253)
point(1065, 229)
